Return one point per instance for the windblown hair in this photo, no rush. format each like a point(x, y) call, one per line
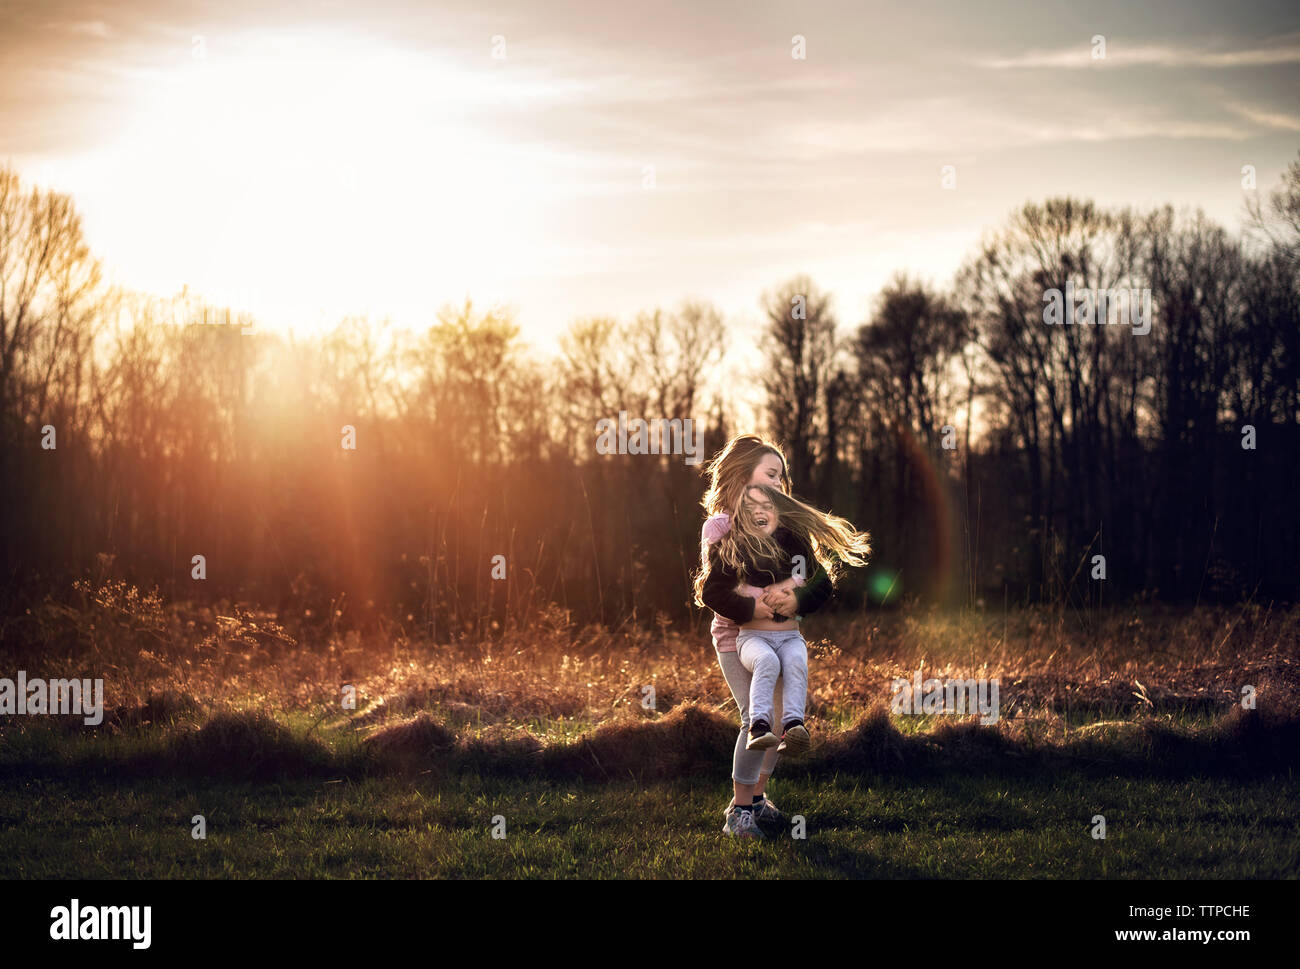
point(732, 468)
point(834, 541)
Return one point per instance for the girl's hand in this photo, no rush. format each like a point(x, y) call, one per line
point(780, 600)
point(761, 610)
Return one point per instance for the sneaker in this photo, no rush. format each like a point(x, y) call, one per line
point(795, 739)
point(767, 812)
point(740, 824)
point(770, 820)
point(761, 736)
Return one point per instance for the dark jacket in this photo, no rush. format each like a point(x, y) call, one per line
point(720, 594)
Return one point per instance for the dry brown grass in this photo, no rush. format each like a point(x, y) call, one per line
point(504, 702)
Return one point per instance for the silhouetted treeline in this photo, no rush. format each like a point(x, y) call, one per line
point(373, 471)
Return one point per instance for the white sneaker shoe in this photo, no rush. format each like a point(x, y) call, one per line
point(740, 824)
point(768, 812)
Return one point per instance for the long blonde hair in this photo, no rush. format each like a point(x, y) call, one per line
point(732, 468)
point(834, 541)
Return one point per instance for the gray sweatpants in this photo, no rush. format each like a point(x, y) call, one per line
point(769, 654)
point(746, 765)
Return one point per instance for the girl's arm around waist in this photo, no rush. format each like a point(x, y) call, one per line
point(719, 592)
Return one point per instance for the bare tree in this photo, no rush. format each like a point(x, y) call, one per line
point(802, 357)
point(50, 301)
point(676, 352)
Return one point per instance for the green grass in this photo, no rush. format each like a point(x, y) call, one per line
point(857, 826)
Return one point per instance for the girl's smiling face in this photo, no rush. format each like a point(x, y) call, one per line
point(761, 511)
point(768, 472)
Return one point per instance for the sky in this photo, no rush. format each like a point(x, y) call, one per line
point(575, 159)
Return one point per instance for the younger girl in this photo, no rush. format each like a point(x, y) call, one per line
point(776, 538)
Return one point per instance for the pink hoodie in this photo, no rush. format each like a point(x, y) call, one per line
point(723, 629)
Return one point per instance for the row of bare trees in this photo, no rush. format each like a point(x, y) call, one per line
point(1066, 441)
point(988, 453)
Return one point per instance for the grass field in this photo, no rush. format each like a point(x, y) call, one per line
point(857, 826)
point(1132, 715)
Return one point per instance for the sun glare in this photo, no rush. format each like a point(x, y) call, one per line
point(277, 166)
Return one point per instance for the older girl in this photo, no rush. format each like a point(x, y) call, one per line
point(745, 460)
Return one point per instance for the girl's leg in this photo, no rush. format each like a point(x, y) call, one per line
point(793, 653)
point(744, 763)
point(759, 657)
point(770, 756)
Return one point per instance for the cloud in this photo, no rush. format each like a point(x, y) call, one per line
point(87, 28)
point(1269, 119)
point(1125, 129)
point(1080, 56)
